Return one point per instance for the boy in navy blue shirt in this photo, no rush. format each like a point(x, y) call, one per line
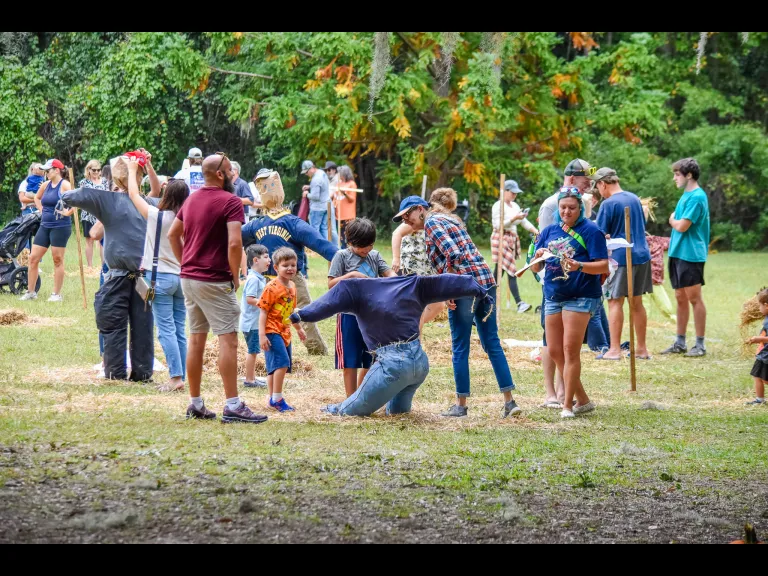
point(358, 260)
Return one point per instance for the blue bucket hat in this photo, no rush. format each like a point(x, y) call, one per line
point(407, 204)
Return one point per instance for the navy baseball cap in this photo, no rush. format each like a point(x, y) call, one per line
point(407, 204)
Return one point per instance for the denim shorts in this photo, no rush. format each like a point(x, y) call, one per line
point(279, 355)
point(252, 340)
point(588, 305)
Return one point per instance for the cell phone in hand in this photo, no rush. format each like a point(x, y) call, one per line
point(526, 211)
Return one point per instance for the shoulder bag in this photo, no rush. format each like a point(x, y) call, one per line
point(145, 290)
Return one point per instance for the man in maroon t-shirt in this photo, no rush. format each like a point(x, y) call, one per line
point(207, 240)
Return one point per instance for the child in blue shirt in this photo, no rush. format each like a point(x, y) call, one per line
point(258, 262)
point(358, 260)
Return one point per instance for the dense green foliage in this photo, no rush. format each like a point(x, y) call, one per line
point(522, 104)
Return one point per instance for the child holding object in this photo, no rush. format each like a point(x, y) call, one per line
point(357, 260)
point(760, 368)
point(258, 260)
point(277, 303)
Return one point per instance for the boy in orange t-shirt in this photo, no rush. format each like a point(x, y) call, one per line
point(278, 301)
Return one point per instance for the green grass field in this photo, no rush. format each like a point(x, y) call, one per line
point(680, 460)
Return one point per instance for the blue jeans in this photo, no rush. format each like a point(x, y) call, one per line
point(597, 330)
point(393, 379)
point(319, 221)
point(461, 321)
point(170, 318)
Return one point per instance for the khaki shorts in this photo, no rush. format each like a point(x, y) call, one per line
point(211, 306)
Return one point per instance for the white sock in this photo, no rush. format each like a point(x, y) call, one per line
point(233, 403)
point(277, 396)
point(197, 402)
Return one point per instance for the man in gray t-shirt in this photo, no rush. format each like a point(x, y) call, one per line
point(318, 193)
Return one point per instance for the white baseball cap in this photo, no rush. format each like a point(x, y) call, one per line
point(195, 153)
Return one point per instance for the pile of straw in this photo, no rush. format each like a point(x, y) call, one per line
point(750, 312)
point(13, 317)
point(211, 360)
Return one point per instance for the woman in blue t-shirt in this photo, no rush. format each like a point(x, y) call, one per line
point(572, 287)
point(54, 231)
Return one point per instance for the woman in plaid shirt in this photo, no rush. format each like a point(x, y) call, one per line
point(451, 250)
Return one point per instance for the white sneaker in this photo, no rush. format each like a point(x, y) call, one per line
point(588, 407)
point(523, 307)
point(55, 298)
point(29, 296)
point(567, 414)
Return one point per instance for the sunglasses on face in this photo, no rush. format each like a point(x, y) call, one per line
point(95, 169)
point(223, 155)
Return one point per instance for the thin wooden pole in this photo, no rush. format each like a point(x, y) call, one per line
point(630, 298)
point(500, 261)
point(424, 188)
point(79, 248)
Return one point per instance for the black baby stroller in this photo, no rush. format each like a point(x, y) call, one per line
point(13, 239)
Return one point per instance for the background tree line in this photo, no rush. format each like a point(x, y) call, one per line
point(458, 107)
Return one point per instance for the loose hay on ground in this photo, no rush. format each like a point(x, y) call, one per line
point(211, 360)
point(13, 317)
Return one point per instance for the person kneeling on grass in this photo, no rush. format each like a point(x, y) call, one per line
point(388, 311)
point(357, 260)
point(277, 303)
point(258, 260)
point(760, 368)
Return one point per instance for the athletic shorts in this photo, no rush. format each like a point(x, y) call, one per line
point(588, 305)
point(351, 351)
point(684, 274)
point(642, 283)
point(252, 341)
point(279, 355)
point(55, 237)
point(760, 370)
point(86, 226)
point(211, 306)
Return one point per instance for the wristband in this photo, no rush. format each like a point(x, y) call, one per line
point(581, 266)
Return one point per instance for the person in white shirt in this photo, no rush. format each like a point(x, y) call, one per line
point(510, 249)
point(193, 175)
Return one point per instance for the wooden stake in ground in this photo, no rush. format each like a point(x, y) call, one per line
point(424, 188)
point(79, 249)
point(500, 261)
point(630, 298)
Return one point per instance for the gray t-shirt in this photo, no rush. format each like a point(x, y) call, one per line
point(547, 211)
point(346, 261)
point(319, 192)
point(124, 227)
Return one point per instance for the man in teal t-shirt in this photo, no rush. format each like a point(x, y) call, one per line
point(688, 249)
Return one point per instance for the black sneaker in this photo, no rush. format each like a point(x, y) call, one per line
point(675, 349)
point(455, 411)
point(511, 409)
point(203, 414)
point(696, 351)
point(241, 414)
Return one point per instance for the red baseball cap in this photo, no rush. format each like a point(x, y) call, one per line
point(52, 163)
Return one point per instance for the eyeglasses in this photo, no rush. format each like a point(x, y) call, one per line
point(223, 155)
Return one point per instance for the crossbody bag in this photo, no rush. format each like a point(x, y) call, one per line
point(145, 290)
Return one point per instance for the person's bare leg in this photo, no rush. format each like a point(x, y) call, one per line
point(228, 363)
point(555, 354)
point(33, 270)
point(350, 381)
point(361, 376)
point(693, 294)
point(58, 268)
point(574, 328)
point(683, 311)
point(278, 377)
point(89, 252)
point(549, 375)
point(270, 380)
point(759, 387)
point(250, 367)
point(640, 320)
point(195, 350)
point(615, 326)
